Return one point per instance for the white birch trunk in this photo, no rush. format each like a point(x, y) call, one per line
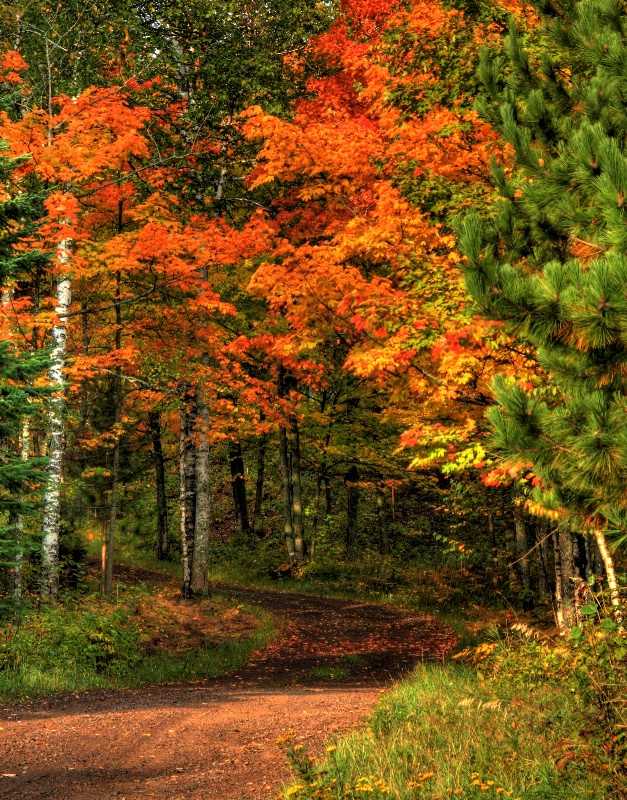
point(56, 431)
point(612, 582)
point(19, 522)
point(559, 610)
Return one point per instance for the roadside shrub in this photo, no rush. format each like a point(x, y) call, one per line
point(97, 639)
point(447, 732)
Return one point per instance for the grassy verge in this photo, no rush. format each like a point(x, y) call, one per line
point(447, 733)
point(349, 588)
point(141, 639)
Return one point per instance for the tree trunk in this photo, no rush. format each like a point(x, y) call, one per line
point(297, 500)
point(56, 427)
point(591, 549)
point(510, 552)
point(544, 584)
point(522, 550)
point(108, 542)
point(202, 518)
point(567, 573)
point(19, 522)
point(327, 496)
point(322, 471)
point(286, 494)
point(352, 520)
point(579, 555)
point(495, 552)
point(610, 572)
point(382, 513)
point(187, 476)
point(163, 543)
point(557, 560)
point(238, 483)
point(316, 519)
point(261, 464)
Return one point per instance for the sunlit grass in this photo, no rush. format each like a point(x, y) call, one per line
point(446, 733)
point(50, 659)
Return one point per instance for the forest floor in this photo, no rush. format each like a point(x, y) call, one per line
point(217, 739)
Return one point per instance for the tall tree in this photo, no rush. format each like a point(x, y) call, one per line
point(21, 209)
point(551, 263)
point(163, 541)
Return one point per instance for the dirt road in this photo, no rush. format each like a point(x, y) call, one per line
point(216, 740)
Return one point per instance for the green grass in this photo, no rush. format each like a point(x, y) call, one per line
point(247, 577)
point(204, 663)
point(70, 649)
point(234, 573)
point(446, 733)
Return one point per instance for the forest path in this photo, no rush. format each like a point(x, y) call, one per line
point(216, 739)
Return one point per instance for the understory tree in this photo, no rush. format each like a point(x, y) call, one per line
point(20, 365)
point(551, 263)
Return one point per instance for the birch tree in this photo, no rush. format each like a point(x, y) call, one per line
point(51, 524)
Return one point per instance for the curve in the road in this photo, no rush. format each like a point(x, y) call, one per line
point(216, 739)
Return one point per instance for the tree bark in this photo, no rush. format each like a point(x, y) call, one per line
point(567, 573)
point(238, 483)
point(18, 569)
point(163, 543)
point(557, 560)
point(320, 478)
point(328, 500)
point(544, 585)
point(510, 552)
point(187, 496)
point(108, 543)
point(579, 555)
point(495, 552)
point(352, 511)
point(591, 548)
point(522, 550)
point(316, 519)
point(297, 501)
point(261, 464)
point(382, 513)
point(202, 517)
point(56, 429)
point(286, 494)
point(610, 573)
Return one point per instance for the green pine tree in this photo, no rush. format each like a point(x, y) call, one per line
point(20, 397)
point(552, 261)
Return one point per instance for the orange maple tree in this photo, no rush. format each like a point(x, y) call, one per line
point(358, 249)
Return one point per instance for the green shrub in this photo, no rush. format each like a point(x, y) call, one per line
point(445, 732)
point(61, 637)
point(101, 644)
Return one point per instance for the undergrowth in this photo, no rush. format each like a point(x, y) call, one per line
point(520, 715)
point(353, 582)
point(447, 733)
point(90, 643)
